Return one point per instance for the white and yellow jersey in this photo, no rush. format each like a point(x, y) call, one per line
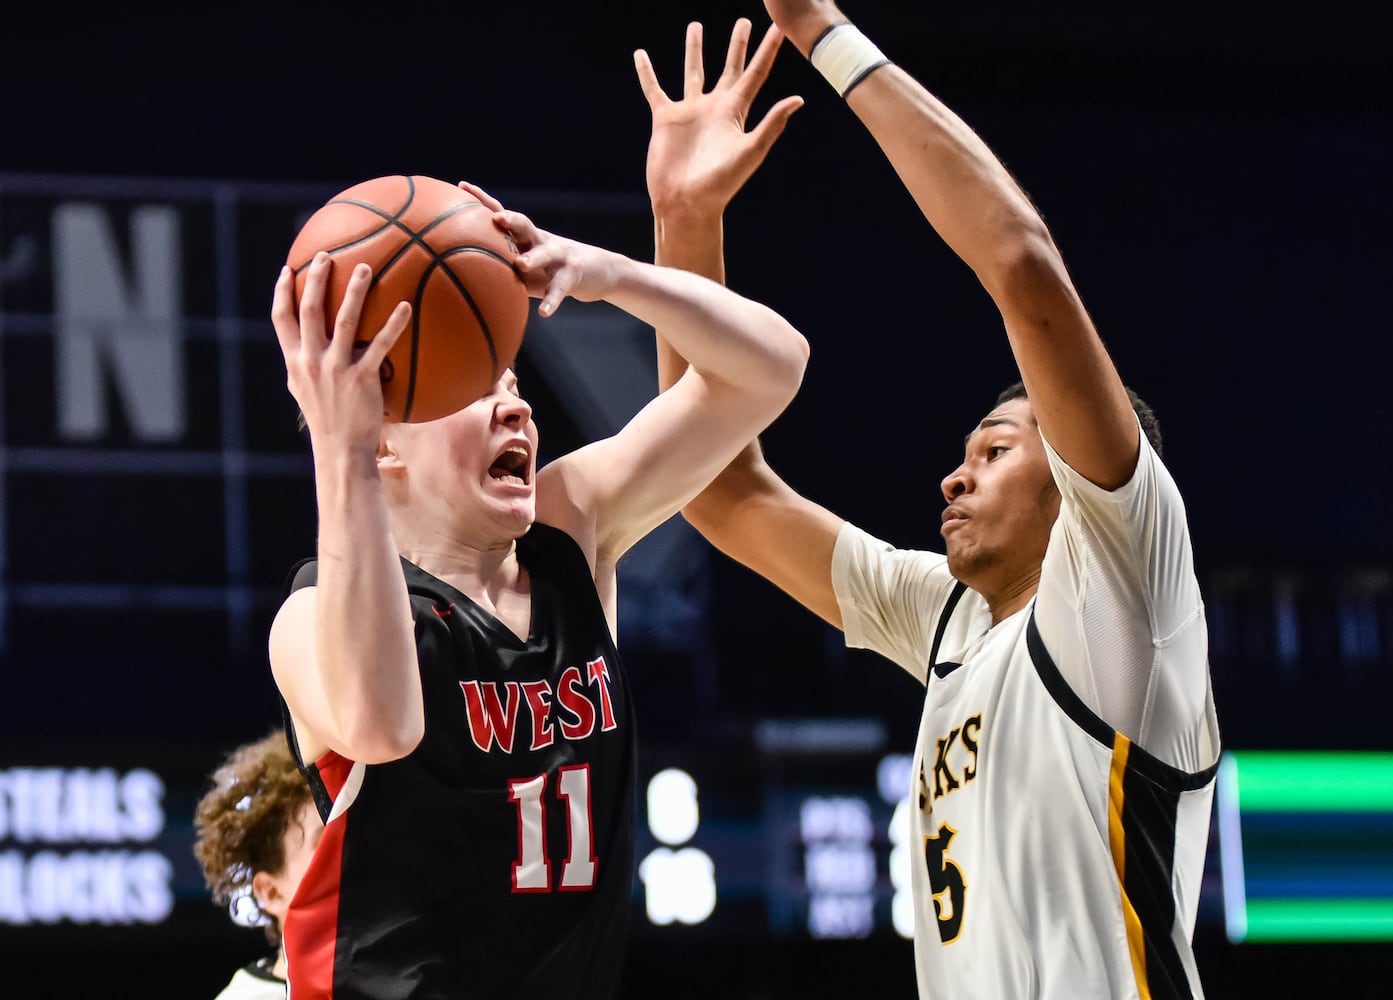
point(1066, 756)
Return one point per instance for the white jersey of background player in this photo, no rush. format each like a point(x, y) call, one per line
point(1068, 742)
point(1061, 857)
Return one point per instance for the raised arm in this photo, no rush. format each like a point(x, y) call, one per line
point(700, 155)
point(343, 652)
point(746, 364)
point(980, 211)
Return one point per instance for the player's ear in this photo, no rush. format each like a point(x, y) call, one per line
point(388, 461)
point(269, 898)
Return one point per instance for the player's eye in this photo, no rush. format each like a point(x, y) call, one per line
point(996, 451)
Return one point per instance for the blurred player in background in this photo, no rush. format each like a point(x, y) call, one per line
point(256, 829)
point(449, 662)
point(1068, 741)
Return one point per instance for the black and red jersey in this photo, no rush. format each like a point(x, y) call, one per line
point(496, 860)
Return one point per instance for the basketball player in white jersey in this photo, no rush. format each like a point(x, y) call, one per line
point(1068, 742)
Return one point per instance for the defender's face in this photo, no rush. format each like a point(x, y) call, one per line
point(480, 461)
point(300, 839)
point(1002, 501)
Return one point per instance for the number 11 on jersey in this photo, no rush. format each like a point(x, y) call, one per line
point(532, 870)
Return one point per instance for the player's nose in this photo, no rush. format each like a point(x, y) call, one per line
point(513, 409)
point(956, 483)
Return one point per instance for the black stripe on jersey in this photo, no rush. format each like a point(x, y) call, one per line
point(1138, 760)
point(305, 573)
point(323, 801)
point(1148, 823)
point(1150, 799)
point(944, 669)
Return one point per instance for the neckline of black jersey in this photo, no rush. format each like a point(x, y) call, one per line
point(484, 618)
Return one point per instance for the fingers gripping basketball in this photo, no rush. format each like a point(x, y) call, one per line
point(435, 246)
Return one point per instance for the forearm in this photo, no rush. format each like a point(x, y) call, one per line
point(364, 638)
point(977, 208)
point(689, 240)
point(961, 187)
point(963, 190)
point(754, 517)
point(723, 336)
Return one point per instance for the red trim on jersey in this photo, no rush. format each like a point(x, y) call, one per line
point(312, 920)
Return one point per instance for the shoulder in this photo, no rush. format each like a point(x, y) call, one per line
point(867, 570)
point(858, 553)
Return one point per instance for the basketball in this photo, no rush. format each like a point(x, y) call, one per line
point(435, 246)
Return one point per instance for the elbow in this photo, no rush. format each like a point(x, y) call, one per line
point(801, 351)
point(804, 353)
point(381, 745)
point(1026, 268)
point(374, 737)
point(793, 361)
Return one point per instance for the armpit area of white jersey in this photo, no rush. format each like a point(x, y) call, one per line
point(1120, 611)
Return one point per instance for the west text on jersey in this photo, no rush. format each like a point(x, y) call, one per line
point(582, 701)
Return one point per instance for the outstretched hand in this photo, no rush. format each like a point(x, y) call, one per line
point(334, 376)
point(700, 154)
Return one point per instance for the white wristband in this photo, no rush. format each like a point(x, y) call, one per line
point(845, 56)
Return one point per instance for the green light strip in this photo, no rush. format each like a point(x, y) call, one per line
point(1314, 781)
point(1320, 920)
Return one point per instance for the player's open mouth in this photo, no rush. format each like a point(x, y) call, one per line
point(511, 466)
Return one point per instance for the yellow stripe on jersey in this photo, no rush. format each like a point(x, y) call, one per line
point(1117, 837)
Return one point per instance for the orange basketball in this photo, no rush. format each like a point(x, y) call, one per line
point(435, 246)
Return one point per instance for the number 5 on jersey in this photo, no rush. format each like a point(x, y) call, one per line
point(946, 881)
point(532, 870)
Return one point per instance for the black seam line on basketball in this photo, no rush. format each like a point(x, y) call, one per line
point(414, 237)
point(415, 343)
point(418, 238)
point(388, 218)
point(415, 317)
point(438, 261)
point(469, 299)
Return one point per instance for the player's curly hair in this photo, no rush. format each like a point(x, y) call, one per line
point(1150, 426)
point(240, 824)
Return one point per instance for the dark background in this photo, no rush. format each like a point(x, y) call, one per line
point(1215, 176)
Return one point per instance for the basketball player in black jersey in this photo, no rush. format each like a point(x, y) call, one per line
point(448, 663)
